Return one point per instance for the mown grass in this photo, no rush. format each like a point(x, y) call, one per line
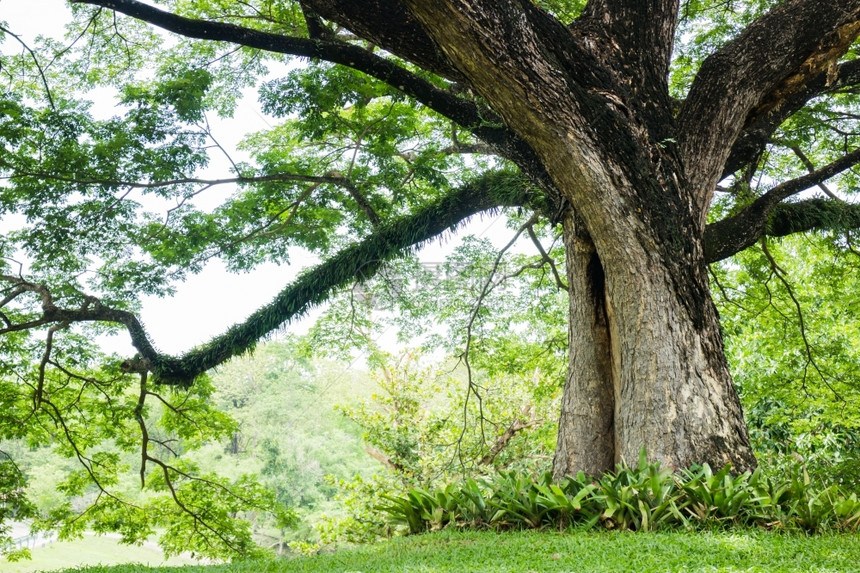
point(551, 552)
point(90, 550)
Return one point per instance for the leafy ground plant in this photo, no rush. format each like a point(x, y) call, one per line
point(717, 497)
point(642, 498)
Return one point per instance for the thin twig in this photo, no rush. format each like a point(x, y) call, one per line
point(780, 275)
point(488, 286)
point(35, 61)
point(559, 283)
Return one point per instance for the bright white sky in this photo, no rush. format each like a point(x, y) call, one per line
point(208, 303)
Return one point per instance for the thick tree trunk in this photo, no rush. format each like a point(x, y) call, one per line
point(641, 374)
point(647, 362)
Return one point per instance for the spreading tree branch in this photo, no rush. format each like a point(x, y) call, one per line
point(389, 25)
point(752, 140)
point(489, 284)
point(480, 120)
point(734, 234)
point(334, 179)
point(547, 259)
point(36, 62)
point(316, 28)
point(357, 262)
point(525, 420)
point(780, 274)
point(811, 168)
point(770, 61)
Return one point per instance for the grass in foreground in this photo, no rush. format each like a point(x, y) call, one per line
point(545, 552)
point(91, 550)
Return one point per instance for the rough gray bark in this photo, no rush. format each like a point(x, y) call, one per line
point(673, 394)
point(641, 374)
point(586, 437)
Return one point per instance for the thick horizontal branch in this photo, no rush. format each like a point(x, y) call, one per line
point(356, 263)
point(785, 219)
point(462, 111)
point(389, 25)
point(734, 234)
point(760, 127)
point(813, 215)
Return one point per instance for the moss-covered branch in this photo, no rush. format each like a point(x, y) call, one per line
point(734, 234)
point(358, 262)
point(813, 215)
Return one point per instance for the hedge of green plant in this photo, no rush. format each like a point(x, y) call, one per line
point(642, 498)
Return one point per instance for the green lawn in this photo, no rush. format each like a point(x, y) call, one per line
point(525, 552)
point(90, 550)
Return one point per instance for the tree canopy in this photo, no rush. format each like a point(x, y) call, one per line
point(661, 136)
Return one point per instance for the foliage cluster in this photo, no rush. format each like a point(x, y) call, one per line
point(793, 346)
point(290, 434)
point(424, 430)
point(281, 428)
point(14, 504)
point(641, 498)
point(158, 487)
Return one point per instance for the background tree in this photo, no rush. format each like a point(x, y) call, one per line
point(661, 136)
point(792, 344)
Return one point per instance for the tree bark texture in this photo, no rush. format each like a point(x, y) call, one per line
point(641, 374)
point(586, 437)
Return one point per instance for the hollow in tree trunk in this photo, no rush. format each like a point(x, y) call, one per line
point(641, 374)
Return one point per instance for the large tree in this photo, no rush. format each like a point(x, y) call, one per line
point(621, 119)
